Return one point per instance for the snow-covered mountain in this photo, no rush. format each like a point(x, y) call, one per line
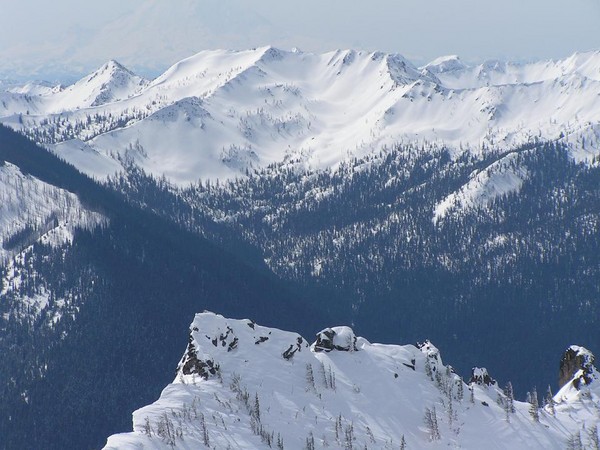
point(75, 256)
point(240, 385)
point(32, 210)
point(219, 113)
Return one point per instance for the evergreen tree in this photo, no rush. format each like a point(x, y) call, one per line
point(550, 403)
point(310, 441)
point(510, 398)
point(432, 424)
point(534, 406)
point(593, 439)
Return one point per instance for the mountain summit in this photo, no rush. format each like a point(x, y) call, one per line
point(240, 385)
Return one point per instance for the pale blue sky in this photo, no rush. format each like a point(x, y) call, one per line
point(41, 37)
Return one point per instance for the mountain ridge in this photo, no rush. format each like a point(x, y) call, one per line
point(319, 108)
point(72, 306)
point(241, 385)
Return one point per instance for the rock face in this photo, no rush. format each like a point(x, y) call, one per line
point(192, 365)
point(576, 365)
point(337, 338)
point(480, 376)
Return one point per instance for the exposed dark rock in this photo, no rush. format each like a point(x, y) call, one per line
point(410, 366)
point(233, 344)
point(324, 341)
point(480, 376)
point(432, 353)
point(190, 364)
point(261, 339)
point(291, 351)
point(577, 364)
point(328, 340)
point(430, 350)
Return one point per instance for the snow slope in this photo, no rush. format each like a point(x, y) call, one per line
point(240, 385)
point(499, 178)
point(224, 111)
point(219, 113)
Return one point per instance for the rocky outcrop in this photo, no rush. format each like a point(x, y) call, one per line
point(292, 349)
point(338, 338)
point(481, 377)
point(192, 365)
point(576, 366)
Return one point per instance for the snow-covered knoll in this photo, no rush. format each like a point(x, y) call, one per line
point(218, 113)
point(240, 385)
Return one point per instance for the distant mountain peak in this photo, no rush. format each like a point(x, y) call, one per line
point(323, 107)
point(443, 64)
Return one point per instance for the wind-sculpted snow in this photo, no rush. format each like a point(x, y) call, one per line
point(240, 385)
point(320, 109)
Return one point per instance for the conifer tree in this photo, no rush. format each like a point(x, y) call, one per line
point(256, 409)
point(432, 424)
point(460, 391)
point(402, 443)
point(594, 441)
point(534, 406)
point(550, 401)
point(510, 397)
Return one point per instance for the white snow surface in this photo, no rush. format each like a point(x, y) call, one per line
point(218, 113)
point(51, 213)
point(499, 178)
point(379, 392)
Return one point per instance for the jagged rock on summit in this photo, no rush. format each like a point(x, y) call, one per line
point(372, 398)
point(576, 367)
point(337, 338)
point(481, 377)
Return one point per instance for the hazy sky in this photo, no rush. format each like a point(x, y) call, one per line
point(40, 38)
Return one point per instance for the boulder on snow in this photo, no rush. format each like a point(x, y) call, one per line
point(481, 377)
point(576, 366)
point(337, 338)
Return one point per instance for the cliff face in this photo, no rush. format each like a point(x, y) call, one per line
point(576, 366)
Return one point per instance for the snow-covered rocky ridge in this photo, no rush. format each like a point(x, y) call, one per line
point(218, 113)
point(240, 385)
